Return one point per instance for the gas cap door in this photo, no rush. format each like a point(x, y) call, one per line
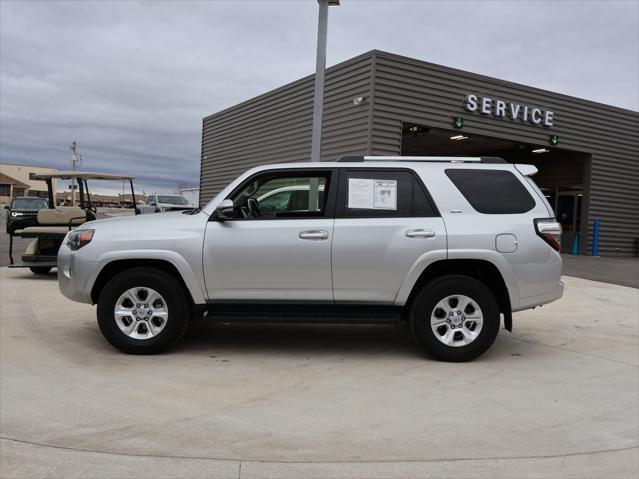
point(506, 243)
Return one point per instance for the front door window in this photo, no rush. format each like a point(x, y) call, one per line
point(282, 195)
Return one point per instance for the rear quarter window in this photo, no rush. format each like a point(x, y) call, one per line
point(492, 191)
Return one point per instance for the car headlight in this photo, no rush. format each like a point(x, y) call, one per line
point(78, 239)
point(16, 213)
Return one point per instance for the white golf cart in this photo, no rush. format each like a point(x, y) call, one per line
point(55, 222)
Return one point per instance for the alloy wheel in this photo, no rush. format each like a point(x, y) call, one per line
point(456, 320)
point(141, 313)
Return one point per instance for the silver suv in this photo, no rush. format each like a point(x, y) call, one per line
point(448, 244)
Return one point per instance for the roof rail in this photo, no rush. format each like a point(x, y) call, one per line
point(435, 159)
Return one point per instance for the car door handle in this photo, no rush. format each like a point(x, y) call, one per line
point(314, 235)
point(420, 233)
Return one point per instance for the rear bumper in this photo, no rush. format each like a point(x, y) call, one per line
point(532, 301)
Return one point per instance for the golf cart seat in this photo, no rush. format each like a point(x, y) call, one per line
point(55, 221)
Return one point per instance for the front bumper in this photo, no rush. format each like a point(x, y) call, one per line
point(20, 222)
point(74, 275)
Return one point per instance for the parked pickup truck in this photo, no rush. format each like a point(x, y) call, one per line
point(449, 245)
point(163, 203)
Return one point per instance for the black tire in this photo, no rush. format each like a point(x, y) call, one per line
point(177, 301)
point(424, 306)
point(40, 269)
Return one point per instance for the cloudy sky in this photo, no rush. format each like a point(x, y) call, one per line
point(131, 81)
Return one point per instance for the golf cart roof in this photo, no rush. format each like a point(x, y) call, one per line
point(86, 175)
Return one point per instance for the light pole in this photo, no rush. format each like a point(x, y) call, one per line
point(318, 98)
point(320, 66)
point(76, 159)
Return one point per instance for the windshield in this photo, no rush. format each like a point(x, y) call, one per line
point(29, 204)
point(172, 200)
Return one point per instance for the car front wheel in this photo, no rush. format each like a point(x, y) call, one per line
point(143, 311)
point(455, 318)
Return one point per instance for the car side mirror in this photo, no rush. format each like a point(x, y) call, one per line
point(6, 207)
point(224, 211)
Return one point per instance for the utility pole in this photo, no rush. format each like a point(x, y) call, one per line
point(76, 159)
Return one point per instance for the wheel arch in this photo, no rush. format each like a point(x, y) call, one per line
point(482, 270)
point(116, 266)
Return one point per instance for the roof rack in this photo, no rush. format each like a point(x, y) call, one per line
point(434, 159)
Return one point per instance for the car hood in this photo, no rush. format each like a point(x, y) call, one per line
point(137, 220)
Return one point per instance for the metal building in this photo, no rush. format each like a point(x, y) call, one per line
point(378, 103)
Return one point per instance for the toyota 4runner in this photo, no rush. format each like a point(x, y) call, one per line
point(450, 245)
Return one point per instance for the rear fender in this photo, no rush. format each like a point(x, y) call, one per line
point(492, 257)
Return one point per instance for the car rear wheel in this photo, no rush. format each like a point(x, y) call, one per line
point(455, 318)
point(143, 311)
point(40, 269)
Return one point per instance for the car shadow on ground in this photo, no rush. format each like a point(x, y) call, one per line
point(299, 339)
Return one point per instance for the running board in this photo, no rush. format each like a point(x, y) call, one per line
point(303, 313)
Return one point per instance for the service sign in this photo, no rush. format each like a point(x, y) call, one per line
point(509, 110)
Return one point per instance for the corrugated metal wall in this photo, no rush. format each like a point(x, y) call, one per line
point(431, 95)
point(276, 127)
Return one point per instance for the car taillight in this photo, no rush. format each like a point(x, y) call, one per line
point(550, 231)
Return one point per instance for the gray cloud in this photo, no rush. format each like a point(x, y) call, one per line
point(131, 81)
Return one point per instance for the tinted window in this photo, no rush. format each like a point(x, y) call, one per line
point(392, 193)
point(282, 195)
point(28, 204)
point(492, 191)
point(172, 200)
point(422, 204)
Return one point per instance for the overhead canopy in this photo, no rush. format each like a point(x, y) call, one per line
point(86, 175)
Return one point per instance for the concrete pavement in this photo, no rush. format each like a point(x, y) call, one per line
point(557, 398)
point(615, 270)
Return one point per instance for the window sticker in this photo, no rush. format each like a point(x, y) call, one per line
point(385, 195)
point(372, 194)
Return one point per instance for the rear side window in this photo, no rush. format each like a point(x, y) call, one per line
point(382, 193)
point(492, 191)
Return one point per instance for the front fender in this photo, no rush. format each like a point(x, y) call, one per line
point(188, 275)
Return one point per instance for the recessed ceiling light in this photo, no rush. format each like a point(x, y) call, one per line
point(541, 150)
point(458, 137)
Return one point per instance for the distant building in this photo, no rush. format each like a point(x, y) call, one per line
point(10, 188)
point(14, 181)
point(381, 104)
